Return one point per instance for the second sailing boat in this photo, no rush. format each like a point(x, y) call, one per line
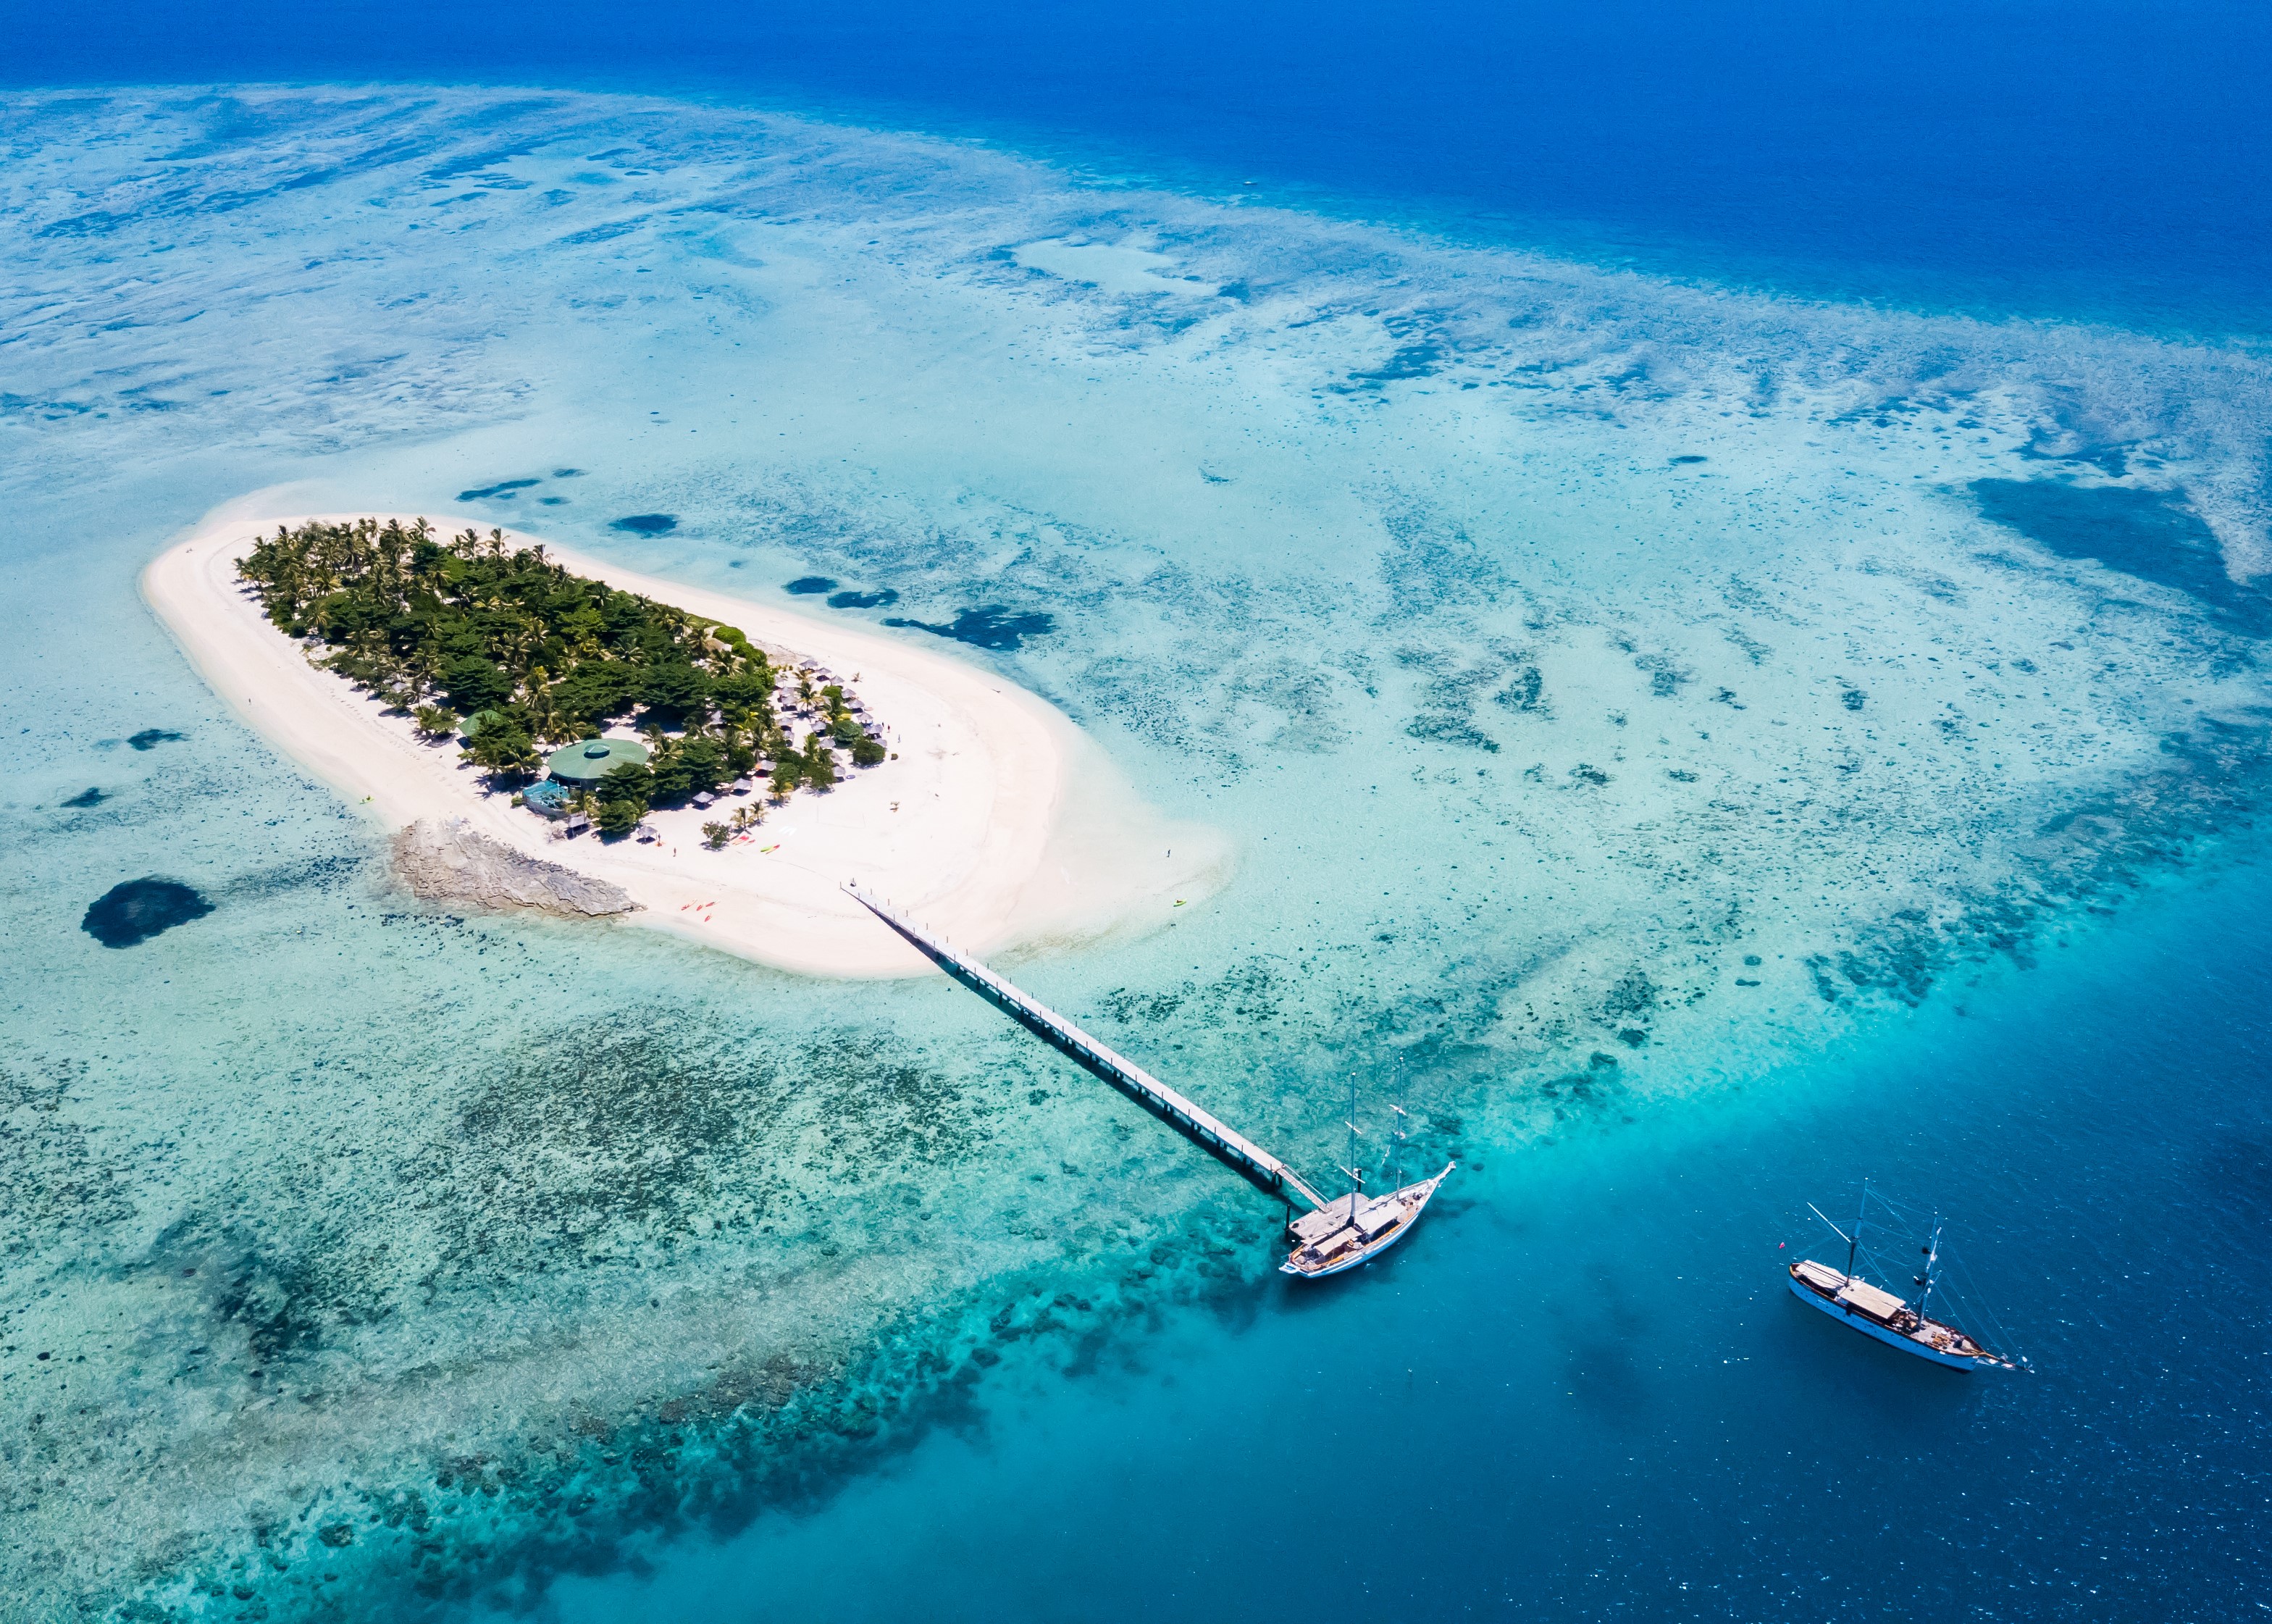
point(1870, 1309)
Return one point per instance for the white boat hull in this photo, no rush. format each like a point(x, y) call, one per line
point(1349, 1247)
point(1848, 1315)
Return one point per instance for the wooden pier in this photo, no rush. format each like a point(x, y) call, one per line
point(1156, 1097)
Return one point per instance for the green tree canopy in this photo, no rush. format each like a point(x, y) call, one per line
point(485, 625)
point(819, 768)
point(617, 818)
point(675, 688)
point(744, 694)
point(475, 684)
point(629, 784)
point(706, 763)
point(504, 746)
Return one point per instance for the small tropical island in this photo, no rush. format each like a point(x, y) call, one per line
point(528, 665)
point(536, 729)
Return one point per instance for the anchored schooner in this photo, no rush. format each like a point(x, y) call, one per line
point(1351, 1230)
point(1897, 1321)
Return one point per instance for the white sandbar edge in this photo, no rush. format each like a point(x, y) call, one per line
point(1010, 826)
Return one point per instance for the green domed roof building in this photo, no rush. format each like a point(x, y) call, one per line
point(586, 762)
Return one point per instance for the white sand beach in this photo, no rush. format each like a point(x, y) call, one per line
point(998, 823)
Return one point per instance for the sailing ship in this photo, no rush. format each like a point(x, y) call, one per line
point(1897, 1321)
point(1337, 1235)
point(1352, 1230)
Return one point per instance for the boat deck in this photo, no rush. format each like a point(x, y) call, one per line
point(1350, 1231)
point(1893, 1320)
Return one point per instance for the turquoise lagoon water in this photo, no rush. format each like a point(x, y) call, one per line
point(1590, 1395)
point(1709, 743)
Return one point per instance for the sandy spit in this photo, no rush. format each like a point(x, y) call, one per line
point(1000, 823)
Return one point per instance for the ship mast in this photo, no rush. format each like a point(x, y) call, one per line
point(1854, 1241)
point(1356, 1177)
point(1396, 1132)
point(1923, 1282)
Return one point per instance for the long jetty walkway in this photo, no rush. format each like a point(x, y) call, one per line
point(1131, 1079)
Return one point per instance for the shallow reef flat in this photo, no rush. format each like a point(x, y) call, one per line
point(1612, 685)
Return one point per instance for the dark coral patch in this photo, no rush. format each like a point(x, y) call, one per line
point(988, 627)
point(133, 912)
point(88, 797)
point(502, 488)
point(882, 599)
point(150, 737)
point(1444, 728)
point(809, 585)
point(2147, 535)
point(1524, 691)
point(647, 524)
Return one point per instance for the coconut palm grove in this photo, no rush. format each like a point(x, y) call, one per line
point(479, 638)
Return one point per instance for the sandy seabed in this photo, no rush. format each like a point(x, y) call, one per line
point(998, 822)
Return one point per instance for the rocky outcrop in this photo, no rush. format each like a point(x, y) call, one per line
point(454, 862)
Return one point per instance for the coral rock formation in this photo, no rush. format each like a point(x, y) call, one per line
point(454, 862)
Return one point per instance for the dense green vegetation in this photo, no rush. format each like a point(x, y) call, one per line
point(525, 657)
point(845, 729)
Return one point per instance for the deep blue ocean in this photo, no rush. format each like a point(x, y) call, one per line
point(2104, 160)
point(1588, 1394)
point(1583, 1390)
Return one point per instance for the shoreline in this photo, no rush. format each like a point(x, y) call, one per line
point(1000, 823)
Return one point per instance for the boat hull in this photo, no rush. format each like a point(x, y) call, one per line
point(1307, 1263)
point(1892, 1339)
